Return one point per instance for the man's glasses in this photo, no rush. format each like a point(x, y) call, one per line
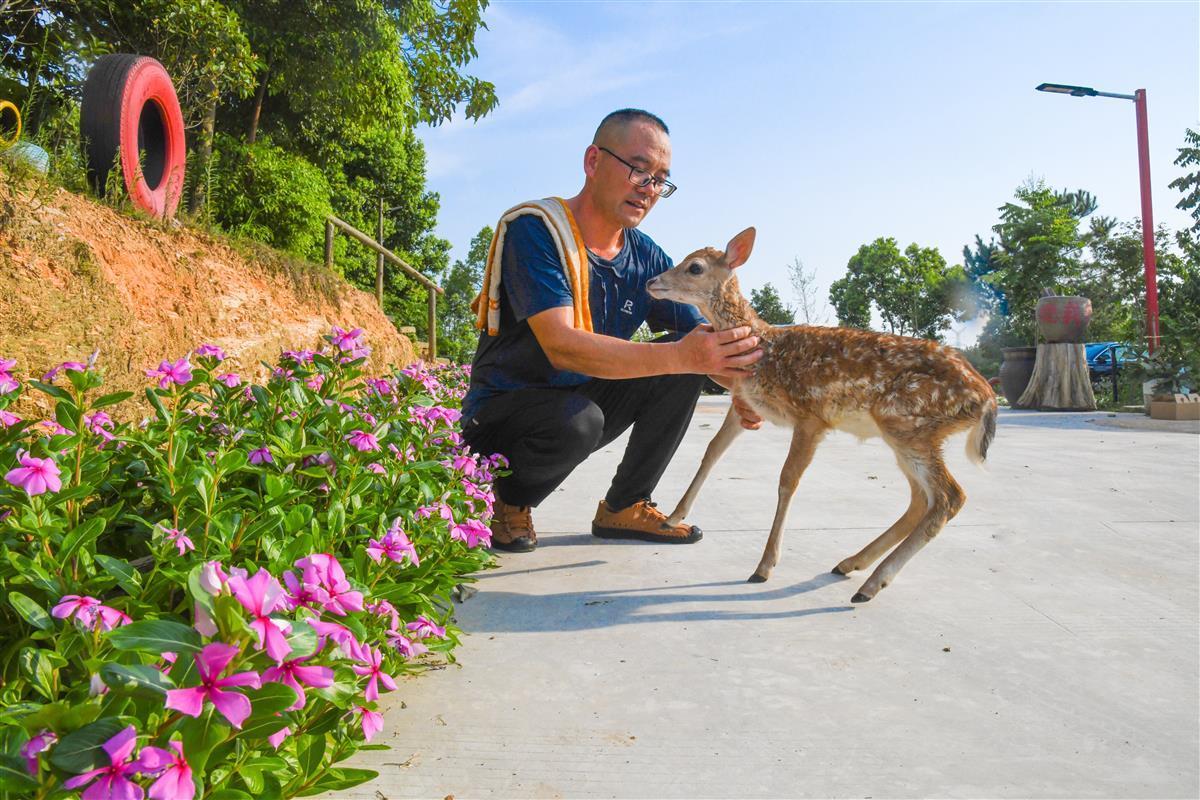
point(640, 177)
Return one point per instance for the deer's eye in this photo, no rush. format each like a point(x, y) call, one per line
point(695, 268)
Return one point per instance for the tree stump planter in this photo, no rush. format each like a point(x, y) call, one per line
point(1060, 380)
point(1064, 318)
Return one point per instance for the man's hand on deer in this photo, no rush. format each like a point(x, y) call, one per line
point(728, 353)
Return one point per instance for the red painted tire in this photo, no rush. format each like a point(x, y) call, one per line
point(130, 110)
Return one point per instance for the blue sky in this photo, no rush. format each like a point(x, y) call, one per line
point(826, 125)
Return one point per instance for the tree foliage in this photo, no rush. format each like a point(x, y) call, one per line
point(914, 292)
point(804, 289)
point(457, 321)
point(1189, 184)
point(767, 303)
point(296, 108)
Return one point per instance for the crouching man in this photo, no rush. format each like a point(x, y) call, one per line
point(555, 376)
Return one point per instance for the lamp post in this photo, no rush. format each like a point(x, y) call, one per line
point(1143, 143)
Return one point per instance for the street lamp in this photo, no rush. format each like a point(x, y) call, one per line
point(1143, 142)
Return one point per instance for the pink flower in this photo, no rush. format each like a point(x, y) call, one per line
point(8, 419)
point(38, 744)
point(179, 538)
point(7, 364)
point(340, 635)
point(210, 663)
point(261, 595)
point(372, 722)
point(382, 607)
point(176, 783)
point(108, 619)
point(99, 423)
point(395, 545)
point(167, 373)
point(210, 350)
point(230, 379)
point(443, 510)
point(69, 366)
point(278, 736)
point(404, 645)
point(325, 570)
point(114, 783)
point(291, 673)
point(299, 356)
point(423, 627)
point(377, 468)
point(472, 532)
point(35, 475)
point(8, 383)
point(363, 441)
point(309, 595)
point(261, 456)
point(83, 609)
point(345, 340)
point(315, 382)
point(371, 659)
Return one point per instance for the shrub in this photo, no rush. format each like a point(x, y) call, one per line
point(271, 195)
point(213, 601)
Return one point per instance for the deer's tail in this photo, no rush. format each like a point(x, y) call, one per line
point(983, 433)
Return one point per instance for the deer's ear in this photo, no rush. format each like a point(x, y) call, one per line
point(738, 249)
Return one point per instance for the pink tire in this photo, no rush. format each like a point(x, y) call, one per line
point(130, 111)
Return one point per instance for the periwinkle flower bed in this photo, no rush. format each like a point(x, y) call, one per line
point(211, 604)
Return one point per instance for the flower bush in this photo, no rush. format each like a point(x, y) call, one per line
point(212, 603)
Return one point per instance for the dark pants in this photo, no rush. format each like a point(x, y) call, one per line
point(546, 433)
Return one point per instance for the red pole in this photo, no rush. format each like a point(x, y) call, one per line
point(1143, 141)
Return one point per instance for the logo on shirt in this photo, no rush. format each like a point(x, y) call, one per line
point(627, 308)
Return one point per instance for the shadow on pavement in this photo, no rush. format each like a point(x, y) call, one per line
point(513, 612)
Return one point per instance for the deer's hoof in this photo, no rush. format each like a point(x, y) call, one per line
point(756, 578)
point(859, 598)
point(839, 571)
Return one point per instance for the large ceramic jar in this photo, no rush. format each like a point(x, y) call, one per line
point(1015, 371)
point(1063, 318)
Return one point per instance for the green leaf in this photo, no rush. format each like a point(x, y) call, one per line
point(80, 536)
point(232, 461)
point(260, 726)
point(127, 577)
point(81, 751)
point(39, 666)
point(229, 794)
point(156, 636)
point(272, 697)
point(33, 613)
point(155, 401)
point(13, 777)
point(303, 640)
point(201, 736)
point(338, 779)
point(138, 678)
point(310, 756)
point(105, 400)
point(52, 390)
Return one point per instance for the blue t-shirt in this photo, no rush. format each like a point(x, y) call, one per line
point(532, 280)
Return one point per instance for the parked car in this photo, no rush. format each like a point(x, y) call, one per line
point(1102, 356)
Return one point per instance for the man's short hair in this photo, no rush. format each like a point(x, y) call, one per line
point(625, 116)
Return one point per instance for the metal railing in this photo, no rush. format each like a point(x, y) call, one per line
point(332, 223)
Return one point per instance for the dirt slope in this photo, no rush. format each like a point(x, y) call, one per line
point(76, 275)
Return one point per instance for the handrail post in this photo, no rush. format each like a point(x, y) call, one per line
point(379, 259)
point(432, 326)
point(328, 245)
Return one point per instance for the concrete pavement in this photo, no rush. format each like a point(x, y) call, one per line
point(1044, 645)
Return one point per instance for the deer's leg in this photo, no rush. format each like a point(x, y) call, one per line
point(730, 428)
point(945, 499)
point(888, 539)
point(805, 438)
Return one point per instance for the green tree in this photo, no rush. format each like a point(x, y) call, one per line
point(458, 333)
point(767, 303)
point(1039, 248)
point(1189, 184)
point(913, 292)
